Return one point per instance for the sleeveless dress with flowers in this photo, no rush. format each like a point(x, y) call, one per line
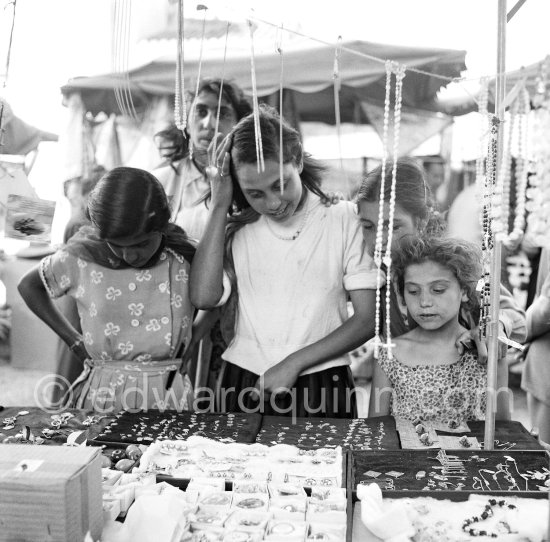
point(433, 392)
point(133, 321)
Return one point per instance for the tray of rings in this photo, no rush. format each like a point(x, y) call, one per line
point(177, 462)
point(452, 474)
point(351, 434)
point(145, 427)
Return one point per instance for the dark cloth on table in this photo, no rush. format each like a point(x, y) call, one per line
point(325, 393)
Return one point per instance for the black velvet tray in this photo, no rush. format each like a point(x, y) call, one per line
point(38, 420)
point(146, 427)
point(359, 434)
point(411, 462)
point(509, 435)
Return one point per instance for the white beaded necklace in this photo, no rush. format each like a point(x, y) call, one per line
point(399, 70)
point(297, 233)
point(517, 131)
point(180, 110)
point(380, 226)
point(539, 190)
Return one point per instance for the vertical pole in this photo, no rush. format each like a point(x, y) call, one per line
point(492, 361)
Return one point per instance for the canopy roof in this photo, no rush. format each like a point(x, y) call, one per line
point(534, 75)
point(308, 71)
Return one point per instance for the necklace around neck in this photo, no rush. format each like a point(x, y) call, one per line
point(296, 234)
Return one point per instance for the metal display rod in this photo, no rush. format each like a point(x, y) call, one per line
point(492, 359)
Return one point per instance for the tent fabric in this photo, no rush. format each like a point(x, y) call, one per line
point(532, 74)
point(306, 71)
point(416, 126)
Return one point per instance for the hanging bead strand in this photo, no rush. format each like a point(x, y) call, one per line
point(501, 205)
point(180, 110)
point(381, 205)
point(279, 48)
point(256, 108)
point(399, 76)
point(487, 242)
point(518, 227)
point(222, 79)
point(539, 191)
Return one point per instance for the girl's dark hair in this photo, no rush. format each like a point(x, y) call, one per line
point(243, 151)
point(128, 202)
point(175, 146)
point(461, 257)
point(230, 92)
point(412, 193)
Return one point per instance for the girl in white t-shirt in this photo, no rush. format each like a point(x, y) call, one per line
point(291, 264)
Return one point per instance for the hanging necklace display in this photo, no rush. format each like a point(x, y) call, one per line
point(380, 225)
point(517, 130)
point(180, 112)
point(487, 240)
point(337, 85)
point(399, 70)
point(222, 79)
point(279, 49)
point(255, 107)
point(539, 190)
point(203, 8)
point(482, 164)
point(399, 75)
point(121, 47)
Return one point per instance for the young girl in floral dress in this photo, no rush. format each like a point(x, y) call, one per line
point(426, 377)
point(128, 273)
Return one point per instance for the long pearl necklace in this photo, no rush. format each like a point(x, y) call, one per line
point(296, 234)
point(501, 209)
point(539, 190)
point(399, 71)
point(180, 110)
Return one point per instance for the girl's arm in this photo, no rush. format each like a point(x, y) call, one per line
point(206, 278)
point(511, 316)
point(538, 317)
point(352, 333)
point(36, 297)
point(504, 395)
point(380, 393)
point(538, 314)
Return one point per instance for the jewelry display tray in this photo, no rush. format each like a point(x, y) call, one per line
point(182, 483)
point(410, 462)
point(145, 427)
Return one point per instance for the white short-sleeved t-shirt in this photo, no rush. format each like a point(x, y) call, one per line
point(292, 293)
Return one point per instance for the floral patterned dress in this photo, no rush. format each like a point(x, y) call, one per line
point(133, 321)
point(437, 392)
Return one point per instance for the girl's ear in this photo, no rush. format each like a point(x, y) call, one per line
point(300, 167)
point(464, 297)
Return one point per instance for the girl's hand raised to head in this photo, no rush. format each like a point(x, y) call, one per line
point(219, 174)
